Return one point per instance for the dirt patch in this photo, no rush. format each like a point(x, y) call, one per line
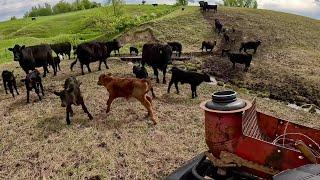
point(143, 35)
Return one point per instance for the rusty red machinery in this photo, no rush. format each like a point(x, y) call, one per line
point(238, 134)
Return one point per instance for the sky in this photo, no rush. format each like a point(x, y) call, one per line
point(309, 8)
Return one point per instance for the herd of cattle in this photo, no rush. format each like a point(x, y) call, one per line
point(156, 55)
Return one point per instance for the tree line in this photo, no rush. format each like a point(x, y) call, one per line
point(61, 7)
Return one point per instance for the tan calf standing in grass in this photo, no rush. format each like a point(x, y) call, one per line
point(127, 88)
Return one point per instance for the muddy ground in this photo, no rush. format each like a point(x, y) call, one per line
point(35, 141)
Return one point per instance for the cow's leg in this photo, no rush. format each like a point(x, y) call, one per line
point(68, 110)
point(41, 87)
point(164, 71)
point(69, 55)
point(28, 96)
point(71, 112)
point(38, 91)
point(84, 107)
point(234, 65)
point(81, 65)
point(156, 73)
point(11, 89)
point(100, 62)
point(149, 99)
point(54, 67)
point(176, 85)
point(5, 86)
point(194, 91)
point(170, 84)
point(105, 63)
point(45, 70)
point(109, 102)
point(144, 101)
point(15, 87)
point(255, 50)
point(246, 68)
point(88, 66)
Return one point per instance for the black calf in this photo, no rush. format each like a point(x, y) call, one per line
point(33, 81)
point(9, 81)
point(250, 45)
point(140, 72)
point(71, 95)
point(208, 45)
point(189, 77)
point(241, 59)
point(218, 26)
point(134, 50)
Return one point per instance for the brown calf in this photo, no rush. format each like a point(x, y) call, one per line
point(127, 88)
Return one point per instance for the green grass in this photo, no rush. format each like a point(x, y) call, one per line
point(75, 26)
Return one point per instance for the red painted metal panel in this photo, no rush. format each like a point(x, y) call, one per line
point(268, 154)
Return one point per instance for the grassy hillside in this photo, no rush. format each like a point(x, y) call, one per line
point(286, 66)
point(75, 26)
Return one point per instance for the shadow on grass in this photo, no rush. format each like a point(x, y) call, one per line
point(51, 125)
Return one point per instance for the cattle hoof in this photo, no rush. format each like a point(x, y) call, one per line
point(90, 117)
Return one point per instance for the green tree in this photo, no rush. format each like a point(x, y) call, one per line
point(241, 3)
point(182, 2)
point(117, 6)
point(62, 7)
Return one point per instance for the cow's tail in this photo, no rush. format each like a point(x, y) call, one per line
point(73, 63)
point(150, 87)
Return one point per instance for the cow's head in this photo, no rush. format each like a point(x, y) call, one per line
point(104, 79)
point(17, 52)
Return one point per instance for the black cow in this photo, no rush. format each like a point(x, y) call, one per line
point(201, 3)
point(9, 81)
point(176, 46)
point(34, 56)
point(62, 48)
point(134, 50)
point(33, 81)
point(113, 46)
point(91, 52)
point(218, 26)
point(189, 77)
point(57, 61)
point(33, 18)
point(154, 5)
point(140, 72)
point(250, 45)
point(241, 59)
point(71, 95)
point(207, 7)
point(223, 51)
point(158, 56)
point(208, 45)
point(226, 37)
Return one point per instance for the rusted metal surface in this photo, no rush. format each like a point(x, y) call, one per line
point(250, 125)
point(274, 127)
point(222, 132)
point(268, 154)
point(261, 139)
